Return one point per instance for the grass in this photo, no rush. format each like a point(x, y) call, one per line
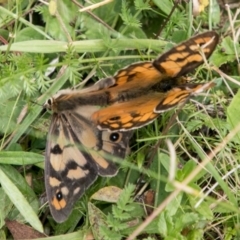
point(194, 175)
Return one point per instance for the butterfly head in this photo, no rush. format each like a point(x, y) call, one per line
point(52, 105)
point(48, 104)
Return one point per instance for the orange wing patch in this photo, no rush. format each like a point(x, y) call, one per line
point(180, 95)
point(134, 73)
point(127, 115)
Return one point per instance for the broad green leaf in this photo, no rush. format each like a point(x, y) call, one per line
point(203, 209)
point(20, 201)
point(48, 46)
point(162, 224)
point(165, 5)
point(29, 33)
point(20, 158)
point(97, 220)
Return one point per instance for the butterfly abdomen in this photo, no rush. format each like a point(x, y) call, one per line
point(168, 83)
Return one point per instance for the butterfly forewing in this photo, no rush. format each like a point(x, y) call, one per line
point(176, 62)
point(77, 152)
point(137, 73)
point(188, 55)
point(68, 169)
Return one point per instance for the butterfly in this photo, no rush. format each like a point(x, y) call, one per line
point(95, 123)
point(76, 153)
point(138, 93)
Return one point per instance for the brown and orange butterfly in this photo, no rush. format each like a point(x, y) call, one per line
point(138, 93)
point(86, 125)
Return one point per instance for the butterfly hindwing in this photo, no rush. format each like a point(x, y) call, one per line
point(114, 148)
point(127, 115)
point(143, 110)
point(77, 152)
